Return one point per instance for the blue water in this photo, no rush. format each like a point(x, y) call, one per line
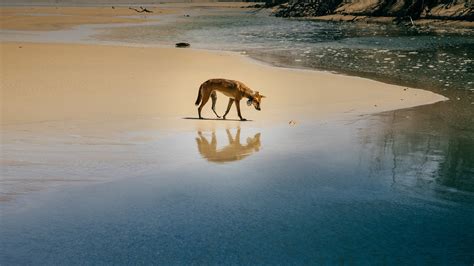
point(320, 193)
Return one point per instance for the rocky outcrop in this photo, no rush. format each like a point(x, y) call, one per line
point(272, 3)
point(454, 9)
point(381, 8)
point(415, 9)
point(307, 9)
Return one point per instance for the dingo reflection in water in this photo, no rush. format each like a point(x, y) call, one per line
point(232, 152)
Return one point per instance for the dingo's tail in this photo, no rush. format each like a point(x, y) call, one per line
point(198, 100)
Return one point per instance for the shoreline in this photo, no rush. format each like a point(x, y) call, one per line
point(247, 62)
point(243, 54)
point(60, 101)
point(90, 28)
point(84, 95)
point(461, 24)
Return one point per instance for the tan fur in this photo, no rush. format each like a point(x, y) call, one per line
point(233, 89)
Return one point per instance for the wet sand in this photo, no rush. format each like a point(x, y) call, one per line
point(106, 97)
point(319, 191)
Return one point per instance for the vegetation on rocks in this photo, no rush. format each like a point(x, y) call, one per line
point(439, 9)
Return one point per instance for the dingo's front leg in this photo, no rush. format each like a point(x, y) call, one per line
point(237, 104)
point(214, 100)
point(229, 105)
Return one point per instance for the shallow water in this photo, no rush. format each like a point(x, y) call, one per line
point(393, 188)
point(439, 59)
point(349, 190)
point(422, 56)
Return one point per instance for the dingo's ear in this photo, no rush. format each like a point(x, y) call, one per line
point(249, 102)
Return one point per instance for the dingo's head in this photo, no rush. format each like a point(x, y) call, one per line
point(255, 100)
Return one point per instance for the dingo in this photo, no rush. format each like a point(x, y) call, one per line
point(235, 90)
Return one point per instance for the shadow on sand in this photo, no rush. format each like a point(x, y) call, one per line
point(217, 119)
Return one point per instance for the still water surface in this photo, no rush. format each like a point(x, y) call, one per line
point(347, 191)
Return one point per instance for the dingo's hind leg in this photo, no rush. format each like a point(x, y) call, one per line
point(229, 105)
point(205, 98)
point(214, 100)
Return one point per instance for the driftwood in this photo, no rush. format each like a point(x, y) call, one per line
point(141, 10)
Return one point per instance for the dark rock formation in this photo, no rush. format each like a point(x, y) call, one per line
point(307, 9)
point(414, 9)
point(272, 3)
point(182, 45)
point(450, 9)
point(453, 9)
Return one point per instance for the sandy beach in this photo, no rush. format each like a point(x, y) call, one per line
point(42, 82)
point(47, 18)
point(51, 18)
point(104, 161)
point(55, 91)
point(100, 95)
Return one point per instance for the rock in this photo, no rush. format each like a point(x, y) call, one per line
point(403, 11)
point(182, 45)
point(306, 9)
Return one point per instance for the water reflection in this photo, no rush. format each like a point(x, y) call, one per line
point(233, 151)
point(423, 150)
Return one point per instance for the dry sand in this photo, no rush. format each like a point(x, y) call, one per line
point(47, 18)
point(59, 82)
point(52, 18)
